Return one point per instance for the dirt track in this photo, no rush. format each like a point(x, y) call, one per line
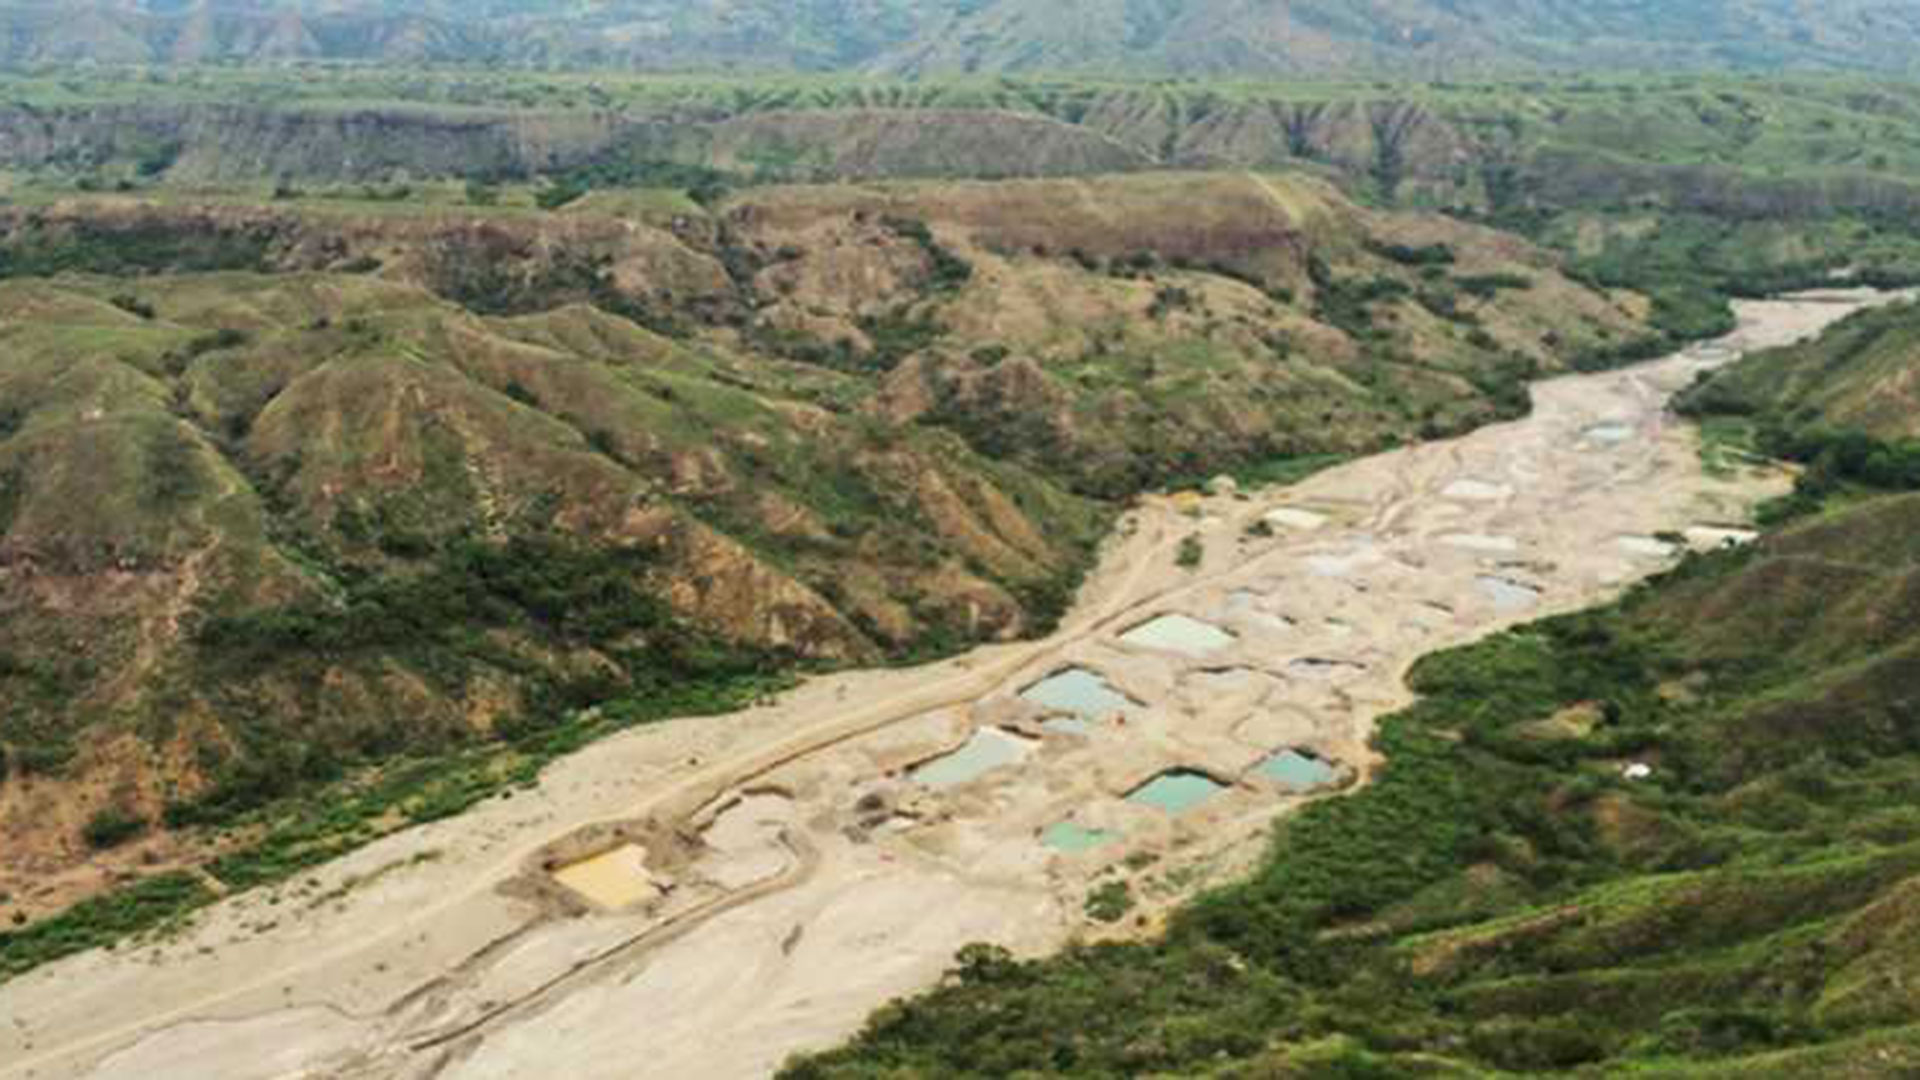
point(849, 884)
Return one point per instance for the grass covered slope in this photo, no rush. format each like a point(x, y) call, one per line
point(1502, 899)
point(1842, 404)
point(1864, 375)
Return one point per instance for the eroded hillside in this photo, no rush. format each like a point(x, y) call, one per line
point(289, 490)
point(1686, 191)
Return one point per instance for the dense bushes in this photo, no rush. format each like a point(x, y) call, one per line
point(1347, 303)
point(1487, 286)
point(1406, 255)
point(102, 921)
point(440, 620)
point(112, 827)
point(134, 248)
point(629, 167)
point(575, 594)
point(557, 195)
point(1837, 460)
point(950, 271)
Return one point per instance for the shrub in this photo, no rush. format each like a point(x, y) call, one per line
point(1487, 286)
point(1425, 255)
point(133, 305)
point(1110, 902)
point(112, 827)
point(950, 271)
point(1193, 551)
point(559, 194)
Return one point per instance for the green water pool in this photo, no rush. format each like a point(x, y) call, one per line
point(1071, 837)
point(1178, 791)
point(1298, 771)
point(989, 749)
point(1077, 690)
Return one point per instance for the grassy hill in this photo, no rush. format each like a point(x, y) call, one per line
point(1841, 405)
point(947, 37)
point(1861, 377)
point(398, 499)
point(1503, 900)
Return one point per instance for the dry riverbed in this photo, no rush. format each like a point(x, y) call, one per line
point(703, 898)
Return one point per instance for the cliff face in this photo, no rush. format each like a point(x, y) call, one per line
point(1388, 140)
point(199, 143)
point(1495, 152)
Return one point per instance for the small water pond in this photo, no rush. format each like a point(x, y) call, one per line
point(1610, 433)
point(1077, 690)
point(1073, 837)
point(1180, 634)
point(1247, 604)
point(1177, 791)
point(612, 879)
point(989, 749)
point(1477, 491)
point(1298, 771)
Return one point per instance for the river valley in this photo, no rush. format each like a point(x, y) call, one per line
point(706, 897)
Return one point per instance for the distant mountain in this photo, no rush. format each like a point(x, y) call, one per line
point(1263, 38)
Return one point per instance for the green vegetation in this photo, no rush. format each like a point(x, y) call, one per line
point(148, 906)
point(1839, 405)
point(628, 167)
point(950, 271)
point(1855, 377)
point(556, 195)
point(105, 247)
point(443, 620)
point(1501, 898)
point(1193, 551)
point(1110, 902)
point(112, 827)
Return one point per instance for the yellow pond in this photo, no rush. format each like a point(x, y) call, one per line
point(614, 880)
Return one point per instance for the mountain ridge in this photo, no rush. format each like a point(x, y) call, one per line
point(1315, 38)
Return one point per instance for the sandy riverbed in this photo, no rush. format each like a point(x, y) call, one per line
point(799, 877)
